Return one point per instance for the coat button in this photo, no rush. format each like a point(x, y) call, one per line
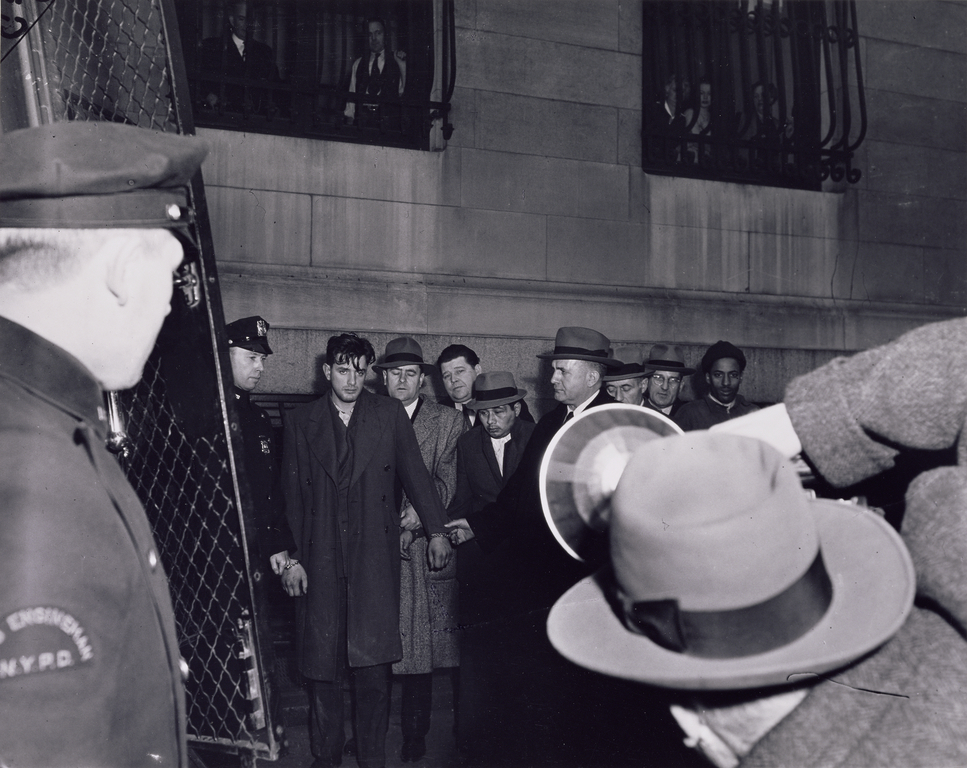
point(152, 559)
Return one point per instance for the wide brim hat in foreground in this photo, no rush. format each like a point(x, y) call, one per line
point(769, 589)
point(404, 351)
point(493, 388)
point(582, 465)
point(575, 343)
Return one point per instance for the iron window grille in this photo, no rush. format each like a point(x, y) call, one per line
point(765, 92)
point(304, 89)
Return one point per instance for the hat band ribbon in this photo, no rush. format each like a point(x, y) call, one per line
point(581, 351)
point(495, 394)
point(665, 365)
point(405, 358)
point(754, 629)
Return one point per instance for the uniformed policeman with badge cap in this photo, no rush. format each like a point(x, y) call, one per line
point(89, 667)
point(249, 348)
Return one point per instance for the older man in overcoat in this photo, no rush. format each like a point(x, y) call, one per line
point(343, 454)
point(428, 600)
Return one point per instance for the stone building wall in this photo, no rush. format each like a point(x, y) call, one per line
point(538, 214)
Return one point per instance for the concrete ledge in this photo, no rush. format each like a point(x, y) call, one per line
point(392, 302)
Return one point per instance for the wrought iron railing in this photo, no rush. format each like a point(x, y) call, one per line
point(764, 92)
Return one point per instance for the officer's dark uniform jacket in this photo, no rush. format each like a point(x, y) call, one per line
point(261, 462)
point(89, 662)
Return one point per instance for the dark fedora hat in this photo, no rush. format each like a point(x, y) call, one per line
point(575, 343)
point(493, 388)
point(404, 351)
point(630, 367)
point(667, 357)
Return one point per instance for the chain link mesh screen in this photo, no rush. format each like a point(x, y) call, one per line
point(111, 60)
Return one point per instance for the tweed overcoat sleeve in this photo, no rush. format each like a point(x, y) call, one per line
point(854, 414)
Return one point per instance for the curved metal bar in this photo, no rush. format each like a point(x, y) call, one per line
point(843, 57)
point(830, 85)
point(860, 92)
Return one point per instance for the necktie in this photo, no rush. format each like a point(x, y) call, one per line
point(568, 417)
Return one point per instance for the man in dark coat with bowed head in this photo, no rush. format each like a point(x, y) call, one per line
point(342, 456)
point(628, 383)
point(89, 666)
point(486, 458)
point(536, 718)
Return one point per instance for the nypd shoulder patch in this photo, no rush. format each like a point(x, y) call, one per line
point(40, 640)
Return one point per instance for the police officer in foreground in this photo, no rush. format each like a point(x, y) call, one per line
point(89, 666)
point(248, 348)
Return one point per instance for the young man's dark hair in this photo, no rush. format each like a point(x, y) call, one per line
point(458, 350)
point(347, 347)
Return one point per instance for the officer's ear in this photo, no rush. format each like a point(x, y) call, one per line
point(121, 258)
point(517, 408)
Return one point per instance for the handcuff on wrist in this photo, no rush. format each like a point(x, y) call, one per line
point(289, 564)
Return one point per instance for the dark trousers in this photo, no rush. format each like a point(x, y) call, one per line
point(415, 705)
point(371, 688)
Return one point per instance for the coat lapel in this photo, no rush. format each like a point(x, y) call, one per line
point(319, 435)
point(512, 450)
point(367, 433)
point(487, 447)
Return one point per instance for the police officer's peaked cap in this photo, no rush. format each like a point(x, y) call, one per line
point(249, 333)
point(96, 175)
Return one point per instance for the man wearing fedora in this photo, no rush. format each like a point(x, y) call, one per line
point(486, 457)
point(459, 367)
point(724, 365)
point(92, 220)
point(665, 370)
point(342, 457)
point(628, 383)
point(428, 599)
point(782, 626)
point(537, 717)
